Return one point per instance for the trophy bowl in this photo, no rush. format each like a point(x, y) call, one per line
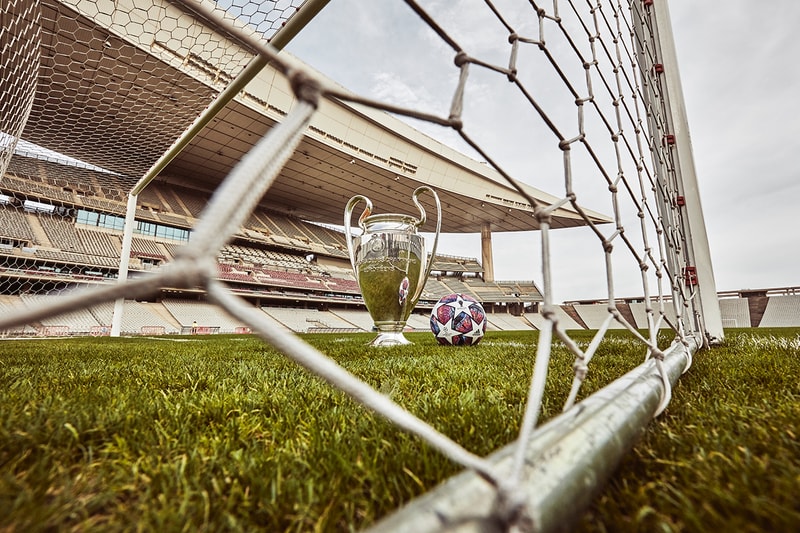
point(390, 264)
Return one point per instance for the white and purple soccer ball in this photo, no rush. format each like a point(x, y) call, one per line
point(458, 319)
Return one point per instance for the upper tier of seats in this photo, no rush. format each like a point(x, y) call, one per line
point(271, 250)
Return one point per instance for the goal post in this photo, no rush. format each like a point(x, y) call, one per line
point(698, 275)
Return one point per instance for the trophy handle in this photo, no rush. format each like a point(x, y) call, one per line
point(423, 218)
point(348, 215)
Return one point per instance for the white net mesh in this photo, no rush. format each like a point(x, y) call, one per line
point(19, 65)
point(119, 83)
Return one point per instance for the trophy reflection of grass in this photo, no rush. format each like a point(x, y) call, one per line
point(388, 286)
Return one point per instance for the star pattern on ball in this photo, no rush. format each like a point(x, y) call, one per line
point(460, 305)
point(458, 319)
point(476, 331)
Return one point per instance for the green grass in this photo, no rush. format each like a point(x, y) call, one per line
point(223, 434)
point(725, 455)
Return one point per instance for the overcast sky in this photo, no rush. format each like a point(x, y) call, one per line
point(738, 64)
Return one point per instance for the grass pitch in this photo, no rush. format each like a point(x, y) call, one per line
point(222, 434)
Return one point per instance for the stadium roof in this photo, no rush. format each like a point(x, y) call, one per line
point(116, 96)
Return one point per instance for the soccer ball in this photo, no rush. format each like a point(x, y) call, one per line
point(458, 319)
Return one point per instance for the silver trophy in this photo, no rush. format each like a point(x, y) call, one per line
point(389, 262)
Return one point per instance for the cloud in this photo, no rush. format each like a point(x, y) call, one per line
point(737, 69)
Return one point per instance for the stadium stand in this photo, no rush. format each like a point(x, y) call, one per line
point(435, 289)
point(640, 314)
point(564, 319)
point(188, 312)
point(146, 248)
point(486, 292)
point(735, 312)
point(192, 201)
point(98, 243)
point(7, 305)
point(299, 320)
point(309, 320)
point(347, 286)
point(279, 262)
point(782, 311)
point(593, 316)
point(139, 317)
point(358, 318)
point(457, 286)
point(13, 226)
point(331, 322)
point(419, 322)
point(60, 233)
point(151, 199)
point(81, 321)
point(507, 322)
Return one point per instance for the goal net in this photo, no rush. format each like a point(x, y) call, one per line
point(97, 96)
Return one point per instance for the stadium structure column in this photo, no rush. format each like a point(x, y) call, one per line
point(486, 252)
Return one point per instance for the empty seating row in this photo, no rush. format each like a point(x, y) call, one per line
point(146, 247)
point(80, 320)
point(595, 315)
point(189, 312)
point(506, 322)
point(304, 320)
point(34, 190)
point(736, 313)
point(782, 311)
point(62, 234)
point(14, 226)
point(75, 258)
point(663, 314)
point(136, 317)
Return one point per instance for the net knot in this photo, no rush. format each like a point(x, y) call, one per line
point(461, 58)
point(192, 268)
point(510, 509)
point(542, 215)
point(305, 88)
point(549, 313)
point(581, 369)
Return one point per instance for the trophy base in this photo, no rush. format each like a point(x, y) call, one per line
point(389, 338)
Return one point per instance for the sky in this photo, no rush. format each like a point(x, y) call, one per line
point(738, 67)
